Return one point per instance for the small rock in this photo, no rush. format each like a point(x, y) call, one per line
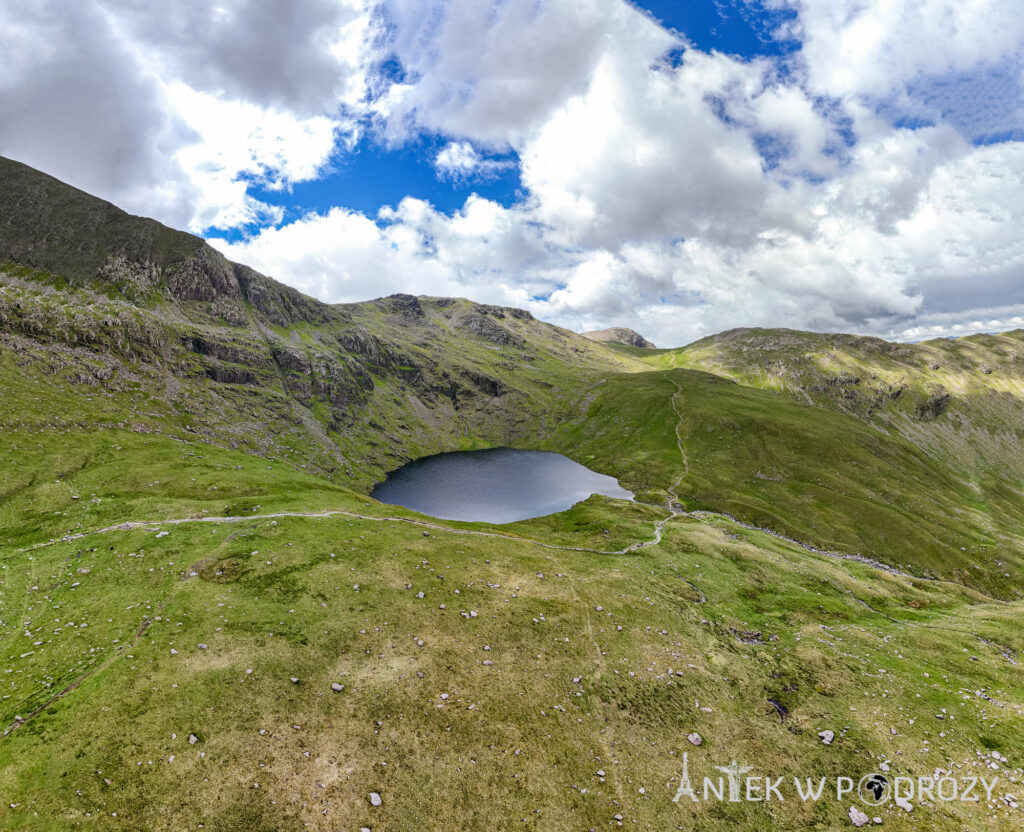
point(374, 797)
point(203, 646)
point(337, 688)
point(827, 736)
point(904, 804)
point(857, 817)
point(295, 680)
point(695, 738)
point(192, 739)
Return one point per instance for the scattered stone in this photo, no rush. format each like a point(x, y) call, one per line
point(203, 646)
point(904, 804)
point(827, 736)
point(295, 680)
point(857, 817)
point(192, 739)
point(374, 797)
point(695, 738)
point(174, 652)
point(337, 688)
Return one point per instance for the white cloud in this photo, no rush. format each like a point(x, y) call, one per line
point(921, 59)
point(460, 160)
point(663, 187)
point(493, 72)
point(343, 256)
point(169, 114)
point(237, 139)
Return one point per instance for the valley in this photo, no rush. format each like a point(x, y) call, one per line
point(206, 622)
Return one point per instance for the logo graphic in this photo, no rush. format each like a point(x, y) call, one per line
point(733, 772)
point(873, 789)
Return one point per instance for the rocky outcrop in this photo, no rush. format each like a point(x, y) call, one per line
point(370, 348)
point(619, 335)
point(484, 327)
point(406, 305)
point(934, 406)
point(279, 304)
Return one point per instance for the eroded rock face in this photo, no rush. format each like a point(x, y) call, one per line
point(408, 305)
point(369, 347)
point(279, 304)
point(204, 276)
point(934, 406)
point(484, 327)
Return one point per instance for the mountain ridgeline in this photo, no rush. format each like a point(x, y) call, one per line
point(908, 454)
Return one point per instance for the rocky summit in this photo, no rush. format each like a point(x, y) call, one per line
point(207, 622)
point(619, 335)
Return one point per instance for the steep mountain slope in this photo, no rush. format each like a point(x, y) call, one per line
point(960, 400)
point(121, 303)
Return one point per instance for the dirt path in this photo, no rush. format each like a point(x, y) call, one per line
point(146, 623)
point(156, 524)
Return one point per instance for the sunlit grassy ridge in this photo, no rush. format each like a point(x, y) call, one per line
point(823, 477)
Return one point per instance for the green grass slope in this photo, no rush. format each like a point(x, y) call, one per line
point(822, 477)
point(961, 400)
point(498, 695)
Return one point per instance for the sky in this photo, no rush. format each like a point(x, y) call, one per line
point(681, 167)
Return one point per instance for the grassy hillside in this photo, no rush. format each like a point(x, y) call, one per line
point(189, 559)
point(522, 671)
point(961, 400)
point(822, 477)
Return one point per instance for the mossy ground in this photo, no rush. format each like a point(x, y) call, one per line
point(740, 617)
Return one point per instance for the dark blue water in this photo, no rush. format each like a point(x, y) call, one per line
point(499, 485)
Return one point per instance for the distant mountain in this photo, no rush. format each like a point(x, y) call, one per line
point(619, 335)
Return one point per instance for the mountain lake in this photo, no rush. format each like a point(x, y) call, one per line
point(498, 485)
